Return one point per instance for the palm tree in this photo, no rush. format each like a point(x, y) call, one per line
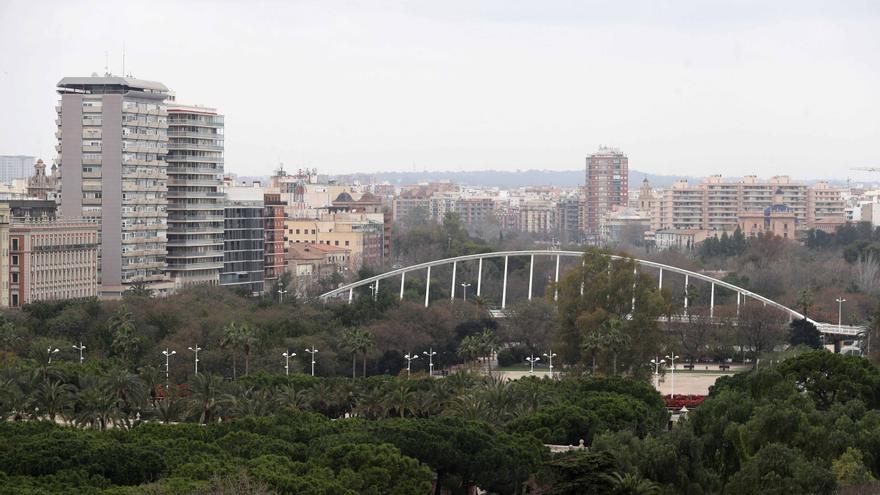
point(290, 397)
point(9, 337)
point(205, 397)
point(350, 344)
point(632, 484)
point(248, 339)
point(230, 339)
point(400, 398)
point(251, 401)
point(594, 343)
point(95, 407)
point(128, 390)
point(372, 404)
point(126, 341)
point(616, 339)
point(53, 398)
point(469, 406)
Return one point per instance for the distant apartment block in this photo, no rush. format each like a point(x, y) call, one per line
point(112, 143)
point(605, 186)
point(14, 167)
point(717, 204)
point(195, 196)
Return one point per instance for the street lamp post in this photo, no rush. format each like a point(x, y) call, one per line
point(550, 355)
point(672, 359)
point(287, 355)
point(840, 302)
point(409, 359)
point(464, 287)
point(167, 355)
point(196, 350)
point(657, 363)
point(51, 351)
point(80, 348)
point(312, 351)
point(430, 353)
point(532, 360)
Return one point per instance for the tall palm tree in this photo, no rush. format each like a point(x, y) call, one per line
point(371, 404)
point(350, 344)
point(95, 407)
point(615, 339)
point(126, 340)
point(631, 484)
point(230, 340)
point(129, 391)
point(594, 343)
point(248, 339)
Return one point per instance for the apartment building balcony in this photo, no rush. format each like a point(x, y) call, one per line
point(92, 161)
point(194, 146)
point(204, 265)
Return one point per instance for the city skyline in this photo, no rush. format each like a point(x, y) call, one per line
point(736, 90)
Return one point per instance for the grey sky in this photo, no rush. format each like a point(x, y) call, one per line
point(683, 87)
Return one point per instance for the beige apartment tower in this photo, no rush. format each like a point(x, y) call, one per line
point(112, 142)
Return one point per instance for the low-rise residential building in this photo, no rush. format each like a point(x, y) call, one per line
point(310, 264)
point(51, 260)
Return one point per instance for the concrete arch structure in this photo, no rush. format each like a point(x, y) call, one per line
point(348, 289)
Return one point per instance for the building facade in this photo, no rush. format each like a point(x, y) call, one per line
point(273, 231)
point(112, 142)
point(50, 260)
point(195, 196)
point(606, 185)
point(40, 185)
point(243, 240)
point(14, 167)
point(716, 204)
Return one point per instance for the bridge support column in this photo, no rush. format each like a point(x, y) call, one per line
point(480, 278)
point(350, 295)
point(531, 275)
point(635, 277)
point(712, 302)
point(452, 292)
point(504, 286)
point(402, 282)
point(738, 298)
point(661, 280)
point(428, 287)
point(556, 280)
point(583, 275)
point(686, 283)
point(376, 291)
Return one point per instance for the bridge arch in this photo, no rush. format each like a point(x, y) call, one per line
point(741, 293)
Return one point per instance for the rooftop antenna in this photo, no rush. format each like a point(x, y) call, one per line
point(106, 63)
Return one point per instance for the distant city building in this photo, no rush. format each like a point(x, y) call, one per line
point(606, 185)
point(50, 260)
point(40, 185)
point(112, 138)
point(309, 264)
point(570, 219)
point(16, 167)
point(716, 204)
point(243, 240)
point(273, 231)
point(195, 196)
point(624, 225)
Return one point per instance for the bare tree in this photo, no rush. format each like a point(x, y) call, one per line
point(867, 273)
point(760, 328)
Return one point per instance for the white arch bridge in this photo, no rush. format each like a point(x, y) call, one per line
point(741, 294)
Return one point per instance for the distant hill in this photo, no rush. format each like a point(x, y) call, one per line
point(503, 179)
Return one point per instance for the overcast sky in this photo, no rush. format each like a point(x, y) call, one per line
point(683, 87)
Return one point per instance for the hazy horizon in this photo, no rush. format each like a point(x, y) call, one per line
point(683, 88)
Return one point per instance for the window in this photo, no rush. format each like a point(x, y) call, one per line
point(14, 260)
point(15, 244)
point(337, 243)
point(15, 300)
point(14, 277)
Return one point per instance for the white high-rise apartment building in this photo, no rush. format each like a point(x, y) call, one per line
point(112, 142)
point(195, 194)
